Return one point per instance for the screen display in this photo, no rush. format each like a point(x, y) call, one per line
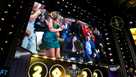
point(56, 45)
point(51, 34)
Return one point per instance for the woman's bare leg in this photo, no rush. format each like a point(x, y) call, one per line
point(51, 53)
point(57, 52)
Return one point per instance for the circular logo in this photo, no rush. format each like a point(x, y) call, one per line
point(86, 72)
point(97, 73)
point(38, 69)
point(57, 70)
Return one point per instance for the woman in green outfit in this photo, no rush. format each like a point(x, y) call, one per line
point(50, 44)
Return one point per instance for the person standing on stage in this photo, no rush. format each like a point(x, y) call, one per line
point(29, 41)
point(50, 45)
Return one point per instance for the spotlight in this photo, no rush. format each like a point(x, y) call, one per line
point(111, 60)
point(58, 2)
point(61, 9)
point(74, 10)
point(121, 48)
point(110, 54)
point(5, 11)
point(2, 19)
point(9, 5)
point(67, 2)
point(130, 69)
point(70, 4)
point(66, 6)
point(107, 38)
point(119, 41)
point(126, 66)
point(68, 12)
point(10, 33)
point(1, 49)
point(130, 22)
point(6, 42)
point(12, 26)
point(21, 7)
point(109, 49)
point(135, 71)
point(106, 34)
point(43, 1)
point(81, 13)
point(75, 6)
point(108, 43)
point(123, 57)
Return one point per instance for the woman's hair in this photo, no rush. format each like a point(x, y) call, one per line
point(55, 15)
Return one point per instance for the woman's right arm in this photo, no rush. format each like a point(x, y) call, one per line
point(35, 15)
point(50, 26)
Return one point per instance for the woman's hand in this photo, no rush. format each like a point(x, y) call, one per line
point(49, 22)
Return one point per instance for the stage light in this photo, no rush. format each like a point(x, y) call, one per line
point(81, 13)
point(111, 60)
point(110, 54)
point(131, 60)
point(6, 42)
point(5, 11)
point(74, 10)
point(124, 57)
point(119, 41)
point(17, 13)
point(107, 38)
point(1, 49)
point(106, 34)
point(2, 19)
point(130, 69)
point(12, 26)
point(75, 6)
point(109, 49)
point(121, 48)
point(21, 7)
point(43, 1)
point(122, 53)
point(58, 2)
point(68, 12)
point(130, 22)
point(70, 4)
point(108, 43)
point(10, 33)
point(67, 2)
point(126, 66)
point(9, 5)
point(66, 6)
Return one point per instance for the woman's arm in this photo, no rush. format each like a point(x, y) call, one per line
point(35, 15)
point(50, 26)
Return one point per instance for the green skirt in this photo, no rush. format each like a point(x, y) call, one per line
point(49, 40)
